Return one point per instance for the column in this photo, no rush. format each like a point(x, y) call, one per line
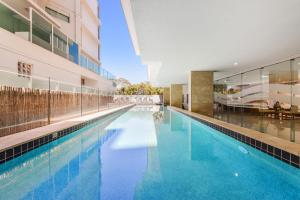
point(201, 92)
point(166, 96)
point(176, 95)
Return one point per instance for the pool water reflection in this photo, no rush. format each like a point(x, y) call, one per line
point(132, 156)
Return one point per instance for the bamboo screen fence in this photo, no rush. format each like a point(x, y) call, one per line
point(25, 108)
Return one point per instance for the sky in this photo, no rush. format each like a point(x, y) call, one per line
point(117, 53)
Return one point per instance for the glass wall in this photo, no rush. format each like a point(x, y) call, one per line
point(220, 99)
point(295, 109)
point(251, 99)
point(65, 100)
point(41, 31)
point(90, 101)
point(266, 99)
point(23, 101)
point(233, 91)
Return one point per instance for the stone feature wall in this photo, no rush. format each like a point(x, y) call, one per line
point(201, 92)
point(24, 108)
point(176, 95)
point(166, 96)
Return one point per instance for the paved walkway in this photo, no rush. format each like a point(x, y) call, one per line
point(268, 139)
point(29, 135)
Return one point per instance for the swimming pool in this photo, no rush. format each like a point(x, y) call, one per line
point(138, 155)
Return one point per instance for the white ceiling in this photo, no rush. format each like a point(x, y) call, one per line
point(176, 36)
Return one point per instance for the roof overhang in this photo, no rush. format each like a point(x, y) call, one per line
point(44, 13)
point(131, 25)
point(211, 35)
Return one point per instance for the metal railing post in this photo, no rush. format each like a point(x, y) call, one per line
point(80, 99)
point(49, 103)
point(98, 100)
point(107, 101)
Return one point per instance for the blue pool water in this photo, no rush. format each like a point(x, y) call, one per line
point(133, 156)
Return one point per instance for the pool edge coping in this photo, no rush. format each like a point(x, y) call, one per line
point(16, 149)
point(281, 149)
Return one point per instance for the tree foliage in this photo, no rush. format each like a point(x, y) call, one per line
point(139, 89)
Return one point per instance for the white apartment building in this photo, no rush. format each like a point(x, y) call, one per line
point(53, 38)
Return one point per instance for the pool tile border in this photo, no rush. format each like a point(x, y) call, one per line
point(23, 148)
point(275, 152)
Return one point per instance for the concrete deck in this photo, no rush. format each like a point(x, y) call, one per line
point(268, 139)
point(30, 135)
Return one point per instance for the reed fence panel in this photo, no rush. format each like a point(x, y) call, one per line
point(25, 108)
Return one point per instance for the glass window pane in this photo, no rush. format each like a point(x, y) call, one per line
point(41, 31)
point(234, 86)
point(58, 15)
point(220, 99)
point(295, 109)
point(60, 41)
point(252, 99)
point(277, 94)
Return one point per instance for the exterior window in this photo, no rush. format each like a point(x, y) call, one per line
point(58, 15)
point(60, 43)
point(41, 31)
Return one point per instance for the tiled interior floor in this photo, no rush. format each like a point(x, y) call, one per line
point(287, 129)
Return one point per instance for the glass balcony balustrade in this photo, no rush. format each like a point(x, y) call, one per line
point(92, 66)
point(28, 102)
point(14, 23)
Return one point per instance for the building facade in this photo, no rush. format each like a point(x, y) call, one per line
point(53, 39)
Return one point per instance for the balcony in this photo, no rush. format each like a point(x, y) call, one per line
point(45, 34)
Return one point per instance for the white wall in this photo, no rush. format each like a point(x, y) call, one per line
point(89, 44)
point(93, 5)
point(66, 7)
point(89, 31)
point(89, 20)
point(18, 6)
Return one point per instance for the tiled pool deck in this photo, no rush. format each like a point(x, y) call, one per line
point(12, 146)
point(284, 150)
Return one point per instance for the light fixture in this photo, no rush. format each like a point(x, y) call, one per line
point(298, 63)
point(236, 64)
